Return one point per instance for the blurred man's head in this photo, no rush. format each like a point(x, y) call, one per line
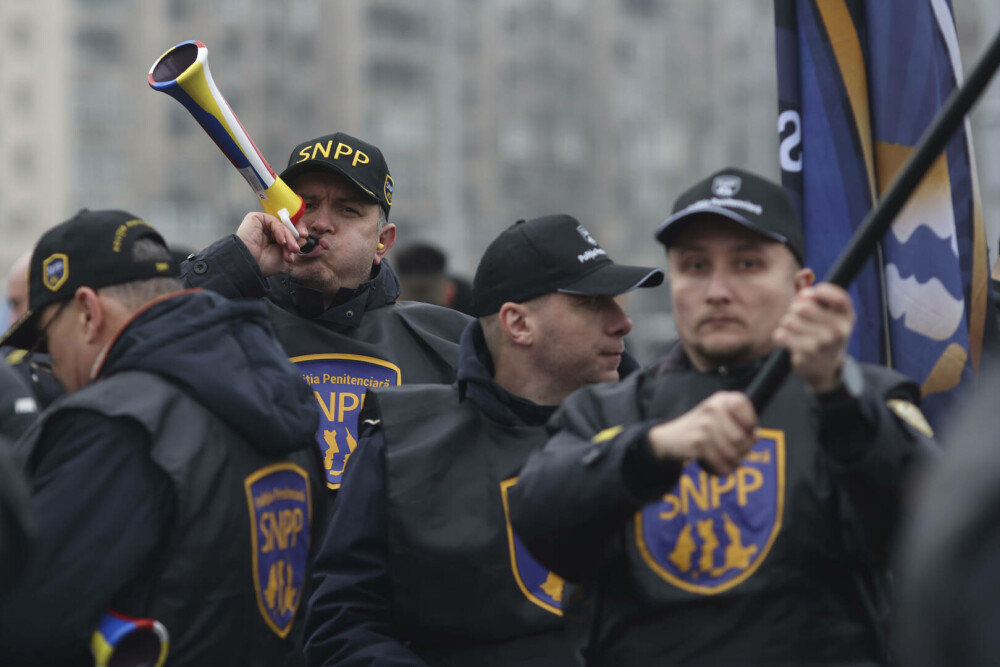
point(347, 190)
point(87, 277)
point(421, 268)
point(17, 287)
point(545, 293)
point(735, 251)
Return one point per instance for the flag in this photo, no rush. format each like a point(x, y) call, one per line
point(858, 84)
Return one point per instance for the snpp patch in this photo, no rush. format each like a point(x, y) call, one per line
point(55, 271)
point(339, 382)
point(711, 533)
point(540, 585)
point(280, 506)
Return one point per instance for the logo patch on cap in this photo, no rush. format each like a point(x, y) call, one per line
point(582, 231)
point(726, 185)
point(387, 189)
point(55, 271)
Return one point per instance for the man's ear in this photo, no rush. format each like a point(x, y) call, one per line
point(448, 293)
point(385, 240)
point(515, 321)
point(804, 278)
point(93, 318)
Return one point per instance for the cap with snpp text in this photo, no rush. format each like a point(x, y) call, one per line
point(745, 198)
point(360, 162)
point(91, 249)
point(554, 253)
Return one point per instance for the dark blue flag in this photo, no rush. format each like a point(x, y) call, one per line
point(858, 84)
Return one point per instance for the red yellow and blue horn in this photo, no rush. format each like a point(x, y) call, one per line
point(120, 641)
point(183, 73)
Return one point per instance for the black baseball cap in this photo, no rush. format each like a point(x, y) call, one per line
point(91, 249)
point(745, 198)
point(554, 253)
point(358, 161)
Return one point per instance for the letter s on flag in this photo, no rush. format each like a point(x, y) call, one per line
point(792, 142)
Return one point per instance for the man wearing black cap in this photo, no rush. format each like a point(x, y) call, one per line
point(419, 565)
point(42, 386)
point(334, 308)
point(702, 533)
point(169, 482)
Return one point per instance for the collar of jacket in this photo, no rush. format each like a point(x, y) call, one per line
point(349, 305)
point(677, 360)
point(476, 384)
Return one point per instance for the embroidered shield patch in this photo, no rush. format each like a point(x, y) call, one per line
point(339, 382)
point(387, 189)
point(541, 586)
point(711, 533)
point(280, 516)
point(55, 271)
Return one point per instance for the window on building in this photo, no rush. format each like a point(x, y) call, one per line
point(100, 170)
point(22, 98)
point(97, 105)
point(179, 10)
point(99, 43)
point(395, 22)
point(179, 121)
point(402, 75)
point(19, 33)
point(23, 162)
point(643, 8)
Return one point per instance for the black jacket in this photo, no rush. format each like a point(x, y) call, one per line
point(16, 529)
point(41, 383)
point(416, 567)
point(147, 498)
point(781, 563)
point(18, 407)
point(948, 601)
point(365, 339)
point(18, 410)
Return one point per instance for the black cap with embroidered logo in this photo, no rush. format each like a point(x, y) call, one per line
point(91, 249)
point(360, 162)
point(554, 253)
point(745, 198)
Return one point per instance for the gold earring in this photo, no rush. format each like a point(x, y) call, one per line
point(381, 245)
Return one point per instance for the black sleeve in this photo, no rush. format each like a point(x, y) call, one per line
point(225, 267)
point(15, 523)
point(574, 496)
point(871, 451)
point(100, 505)
point(18, 408)
point(348, 620)
point(948, 582)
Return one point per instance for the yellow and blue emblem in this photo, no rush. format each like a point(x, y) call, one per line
point(387, 189)
point(280, 518)
point(711, 533)
point(339, 382)
point(55, 271)
point(539, 584)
